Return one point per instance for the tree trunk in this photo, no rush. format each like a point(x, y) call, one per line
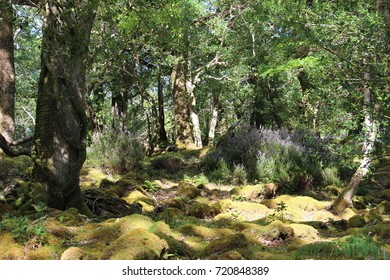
point(7, 71)
point(213, 121)
point(162, 134)
point(181, 115)
point(370, 133)
point(194, 115)
point(61, 124)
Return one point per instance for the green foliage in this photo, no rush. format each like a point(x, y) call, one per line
point(149, 186)
point(23, 229)
point(118, 151)
point(352, 247)
point(280, 209)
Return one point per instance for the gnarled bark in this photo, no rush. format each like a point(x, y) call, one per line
point(7, 71)
point(61, 123)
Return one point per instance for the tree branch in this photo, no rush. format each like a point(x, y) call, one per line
point(9, 151)
point(31, 3)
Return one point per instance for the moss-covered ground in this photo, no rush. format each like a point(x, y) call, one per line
point(168, 209)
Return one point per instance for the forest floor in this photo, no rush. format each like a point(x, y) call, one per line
point(168, 209)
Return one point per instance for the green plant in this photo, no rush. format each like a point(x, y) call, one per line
point(23, 229)
point(149, 186)
point(118, 151)
point(281, 207)
point(240, 175)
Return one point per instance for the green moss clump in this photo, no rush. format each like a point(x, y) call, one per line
point(356, 221)
point(9, 249)
point(382, 230)
point(188, 192)
point(226, 244)
point(200, 210)
point(231, 255)
point(138, 244)
point(176, 202)
point(204, 232)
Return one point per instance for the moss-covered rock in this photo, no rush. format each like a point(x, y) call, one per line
point(231, 255)
point(305, 233)
point(129, 223)
point(9, 249)
point(176, 202)
point(42, 253)
point(148, 204)
point(204, 232)
point(382, 230)
point(249, 192)
point(188, 192)
point(200, 210)
point(356, 221)
point(250, 211)
point(373, 218)
point(226, 244)
point(383, 208)
point(137, 244)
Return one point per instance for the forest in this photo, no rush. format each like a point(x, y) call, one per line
point(188, 129)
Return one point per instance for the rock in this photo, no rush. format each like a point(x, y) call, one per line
point(137, 244)
point(226, 244)
point(200, 210)
point(356, 221)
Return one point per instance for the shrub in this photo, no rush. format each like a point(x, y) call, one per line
point(292, 160)
point(118, 151)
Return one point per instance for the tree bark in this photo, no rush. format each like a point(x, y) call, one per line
point(370, 134)
point(194, 115)
point(7, 71)
point(183, 136)
point(59, 148)
point(213, 121)
point(162, 133)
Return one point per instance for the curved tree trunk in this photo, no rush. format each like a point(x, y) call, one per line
point(61, 121)
point(7, 71)
point(370, 128)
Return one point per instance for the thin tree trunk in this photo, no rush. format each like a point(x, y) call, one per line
point(213, 121)
point(162, 134)
point(7, 71)
point(370, 133)
point(59, 140)
point(194, 116)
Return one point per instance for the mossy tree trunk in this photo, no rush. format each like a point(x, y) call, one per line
point(61, 123)
point(7, 71)
point(183, 135)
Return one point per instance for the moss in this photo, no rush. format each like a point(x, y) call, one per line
point(129, 223)
point(305, 233)
point(136, 244)
point(172, 216)
point(356, 221)
point(76, 253)
point(204, 232)
point(42, 253)
point(147, 203)
point(226, 244)
point(347, 214)
point(176, 202)
point(383, 208)
point(188, 192)
point(333, 190)
point(382, 230)
point(373, 217)
point(200, 210)
point(70, 217)
point(248, 210)
point(57, 229)
point(248, 192)
point(231, 255)
point(9, 249)
point(385, 195)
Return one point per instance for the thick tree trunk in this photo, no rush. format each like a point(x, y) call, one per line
point(7, 71)
point(61, 120)
point(183, 136)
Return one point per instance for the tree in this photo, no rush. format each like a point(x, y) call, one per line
point(7, 71)
point(61, 124)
